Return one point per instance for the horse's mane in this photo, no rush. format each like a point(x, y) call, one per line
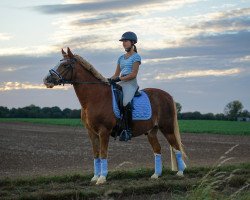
point(91, 69)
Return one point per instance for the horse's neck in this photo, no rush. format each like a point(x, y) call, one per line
point(89, 95)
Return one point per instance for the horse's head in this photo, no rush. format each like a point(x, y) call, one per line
point(63, 72)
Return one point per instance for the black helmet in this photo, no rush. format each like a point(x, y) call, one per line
point(129, 36)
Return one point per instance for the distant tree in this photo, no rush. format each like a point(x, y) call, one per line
point(220, 116)
point(196, 115)
point(31, 111)
point(66, 112)
point(75, 113)
point(46, 112)
point(245, 113)
point(191, 115)
point(233, 110)
point(178, 107)
point(56, 112)
point(209, 116)
point(4, 111)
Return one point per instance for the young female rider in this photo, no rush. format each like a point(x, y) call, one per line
point(125, 74)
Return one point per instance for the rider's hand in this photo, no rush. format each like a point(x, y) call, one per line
point(111, 80)
point(117, 79)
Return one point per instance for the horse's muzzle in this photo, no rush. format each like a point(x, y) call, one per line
point(49, 81)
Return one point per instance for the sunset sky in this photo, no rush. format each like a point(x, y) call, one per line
point(197, 50)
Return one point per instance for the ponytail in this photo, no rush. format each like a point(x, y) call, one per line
point(135, 49)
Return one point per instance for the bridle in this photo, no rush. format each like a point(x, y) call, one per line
point(71, 66)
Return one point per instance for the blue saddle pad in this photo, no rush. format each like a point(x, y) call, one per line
point(141, 106)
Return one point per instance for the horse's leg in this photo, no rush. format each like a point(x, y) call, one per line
point(153, 140)
point(168, 125)
point(168, 132)
point(104, 140)
point(94, 138)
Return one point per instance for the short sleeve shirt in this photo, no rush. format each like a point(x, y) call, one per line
point(126, 64)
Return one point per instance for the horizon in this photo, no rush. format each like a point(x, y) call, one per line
point(80, 108)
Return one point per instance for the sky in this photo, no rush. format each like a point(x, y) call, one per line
point(196, 50)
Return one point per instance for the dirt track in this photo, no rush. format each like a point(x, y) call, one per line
point(35, 149)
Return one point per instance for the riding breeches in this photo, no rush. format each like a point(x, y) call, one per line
point(129, 88)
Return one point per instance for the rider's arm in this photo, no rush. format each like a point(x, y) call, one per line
point(117, 71)
point(133, 74)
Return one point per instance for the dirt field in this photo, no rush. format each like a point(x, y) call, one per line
point(34, 149)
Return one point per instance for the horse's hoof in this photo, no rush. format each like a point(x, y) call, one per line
point(180, 173)
point(155, 176)
point(95, 178)
point(101, 180)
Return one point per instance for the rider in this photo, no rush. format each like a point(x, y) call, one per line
point(125, 74)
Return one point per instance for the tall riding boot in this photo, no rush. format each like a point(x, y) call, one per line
point(129, 119)
point(126, 134)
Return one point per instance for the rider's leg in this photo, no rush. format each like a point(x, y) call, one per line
point(127, 133)
point(128, 88)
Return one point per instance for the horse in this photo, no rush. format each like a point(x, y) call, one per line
point(95, 96)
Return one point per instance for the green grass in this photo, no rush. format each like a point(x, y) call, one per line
point(135, 184)
point(50, 121)
point(186, 126)
point(214, 126)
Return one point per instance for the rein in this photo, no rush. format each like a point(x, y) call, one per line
point(79, 82)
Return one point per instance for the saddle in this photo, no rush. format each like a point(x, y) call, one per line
point(118, 93)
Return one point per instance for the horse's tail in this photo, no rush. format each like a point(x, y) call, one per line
point(178, 139)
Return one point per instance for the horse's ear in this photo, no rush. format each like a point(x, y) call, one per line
point(70, 54)
point(63, 52)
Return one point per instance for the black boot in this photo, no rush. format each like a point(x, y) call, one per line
point(126, 134)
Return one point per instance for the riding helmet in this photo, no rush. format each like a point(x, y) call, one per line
point(129, 36)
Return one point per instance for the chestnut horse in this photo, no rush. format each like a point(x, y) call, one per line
point(95, 96)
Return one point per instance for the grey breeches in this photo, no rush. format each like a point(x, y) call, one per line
point(129, 88)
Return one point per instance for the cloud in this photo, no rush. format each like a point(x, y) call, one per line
point(203, 52)
point(239, 12)
point(211, 23)
point(6, 86)
point(198, 73)
point(93, 6)
point(107, 22)
point(224, 44)
point(5, 36)
point(158, 60)
point(29, 50)
point(12, 69)
point(244, 59)
point(232, 24)
point(96, 30)
point(232, 20)
point(103, 19)
point(97, 6)
point(87, 42)
point(26, 68)
point(91, 29)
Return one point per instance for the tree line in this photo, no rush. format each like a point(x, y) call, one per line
point(33, 111)
point(232, 111)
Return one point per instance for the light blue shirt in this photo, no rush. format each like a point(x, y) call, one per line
point(126, 65)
